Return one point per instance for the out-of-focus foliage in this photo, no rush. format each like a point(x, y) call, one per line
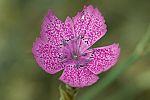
point(20, 20)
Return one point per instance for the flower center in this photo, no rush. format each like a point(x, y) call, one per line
point(72, 53)
point(75, 56)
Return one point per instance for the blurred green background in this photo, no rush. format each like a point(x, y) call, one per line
point(22, 79)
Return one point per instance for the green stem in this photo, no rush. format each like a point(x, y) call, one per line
point(68, 94)
point(115, 72)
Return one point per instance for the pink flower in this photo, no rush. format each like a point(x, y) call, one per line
point(66, 46)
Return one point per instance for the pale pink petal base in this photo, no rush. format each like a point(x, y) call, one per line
point(78, 77)
point(104, 58)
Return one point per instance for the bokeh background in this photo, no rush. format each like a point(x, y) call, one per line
point(22, 79)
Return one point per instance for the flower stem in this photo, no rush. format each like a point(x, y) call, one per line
point(68, 93)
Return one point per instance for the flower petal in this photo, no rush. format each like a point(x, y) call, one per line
point(68, 33)
point(104, 58)
point(78, 77)
point(55, 31)
point(47, 56)
point(51, 28)
point(48, 47)
point(90, 24)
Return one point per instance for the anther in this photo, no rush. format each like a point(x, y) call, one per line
point(84, 54)
point(64, 43)
point(75, 56)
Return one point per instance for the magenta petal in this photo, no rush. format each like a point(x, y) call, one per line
point(55, 31)
point(46, 49)
point(68, 33)
point(104, 58)
point(52, 28)
point(78, 77)
point(90, 24)
point(46, 56)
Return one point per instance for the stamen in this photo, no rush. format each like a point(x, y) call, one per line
point(79, 65)
point(63, 59)
point(84, 54)
point(88, 60)
point(75, 56)
point(81, 36)
point(64, 43)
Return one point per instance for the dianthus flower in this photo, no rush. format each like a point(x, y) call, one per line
point(67, 46)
